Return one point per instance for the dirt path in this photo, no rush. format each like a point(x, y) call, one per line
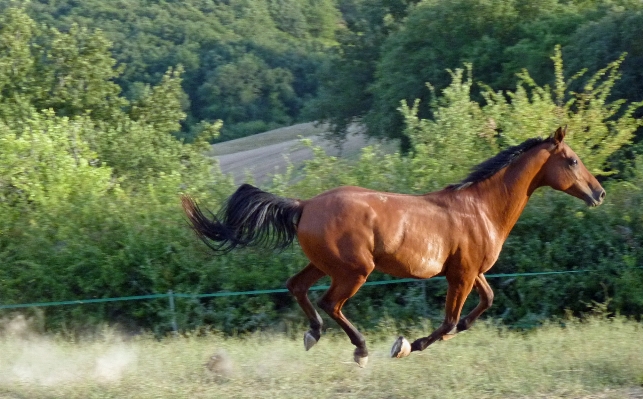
point(268, 153)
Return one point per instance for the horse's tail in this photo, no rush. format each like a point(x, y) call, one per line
point(250, 217)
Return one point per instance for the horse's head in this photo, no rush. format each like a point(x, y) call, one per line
point(564, 171)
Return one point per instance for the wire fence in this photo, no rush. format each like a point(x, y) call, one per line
point(170, 295)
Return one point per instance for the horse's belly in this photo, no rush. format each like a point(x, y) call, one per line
point(412, 264)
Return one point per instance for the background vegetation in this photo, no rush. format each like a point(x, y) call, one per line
point(249, 63)
point(106, 111)
point(389, 51)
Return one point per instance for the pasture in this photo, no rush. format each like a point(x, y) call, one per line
point(597, 358)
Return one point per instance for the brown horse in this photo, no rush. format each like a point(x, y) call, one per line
point(348, 232)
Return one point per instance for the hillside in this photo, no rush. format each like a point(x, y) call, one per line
point(268, 153)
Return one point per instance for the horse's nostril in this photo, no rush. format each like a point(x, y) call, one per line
point(602, 196)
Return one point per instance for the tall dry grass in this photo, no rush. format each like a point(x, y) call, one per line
point(598, 358)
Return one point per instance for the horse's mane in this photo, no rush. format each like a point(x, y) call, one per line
point(494, 164)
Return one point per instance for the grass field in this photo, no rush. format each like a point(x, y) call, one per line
point(595, 359)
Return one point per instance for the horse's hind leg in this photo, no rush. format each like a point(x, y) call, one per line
point(340, 290)
point(298, 285)
point(486, 299)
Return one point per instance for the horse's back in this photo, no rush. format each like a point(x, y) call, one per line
point(345, 206)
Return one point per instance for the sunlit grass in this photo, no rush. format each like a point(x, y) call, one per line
point(598, 358)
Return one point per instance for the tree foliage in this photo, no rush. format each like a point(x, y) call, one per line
point(257, 65)
point(90, 176)
point(87, 192)
point(270, 50)
point(499, 37)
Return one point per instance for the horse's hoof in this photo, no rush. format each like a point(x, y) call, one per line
point(360, 359)
point(309, 340)
point(401, 348)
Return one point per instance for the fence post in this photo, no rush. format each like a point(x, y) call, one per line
point(170, 295)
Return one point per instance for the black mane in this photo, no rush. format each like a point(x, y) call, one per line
point(494, 164)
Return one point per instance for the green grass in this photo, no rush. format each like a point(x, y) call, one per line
point(598, 359)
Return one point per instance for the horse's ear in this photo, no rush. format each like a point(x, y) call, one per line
point(559, 134)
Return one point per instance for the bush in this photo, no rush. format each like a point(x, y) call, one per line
point(89, 199)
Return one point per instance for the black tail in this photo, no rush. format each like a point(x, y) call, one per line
point(250, 217)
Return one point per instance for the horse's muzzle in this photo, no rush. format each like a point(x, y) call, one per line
point(596, 198)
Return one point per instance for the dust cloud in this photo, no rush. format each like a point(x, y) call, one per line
point(29, 357)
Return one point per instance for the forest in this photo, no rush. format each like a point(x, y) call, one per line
point(107, 110)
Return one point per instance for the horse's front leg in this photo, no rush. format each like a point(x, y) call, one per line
point(459, 289)
point(486, 300)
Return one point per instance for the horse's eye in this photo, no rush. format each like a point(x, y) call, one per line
point(573, 162)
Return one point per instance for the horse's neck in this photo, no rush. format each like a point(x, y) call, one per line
point(507, 192)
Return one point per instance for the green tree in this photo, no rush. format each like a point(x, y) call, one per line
point(89, 202)
point(78, 72)
point(597, 43)
point(248, 90)
point(345, 96)
point(288, 38)
point(388, 59)
point(71, 73)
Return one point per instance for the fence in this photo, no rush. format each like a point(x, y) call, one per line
point(172, 295)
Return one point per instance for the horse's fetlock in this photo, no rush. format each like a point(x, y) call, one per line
point(361, 351)
point(418, 345)
point(448, 326)
point(316, 325)
point(360, 343)
point(463, 325)
point(315, 333)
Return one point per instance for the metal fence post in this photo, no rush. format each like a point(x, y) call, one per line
point(170, 295)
